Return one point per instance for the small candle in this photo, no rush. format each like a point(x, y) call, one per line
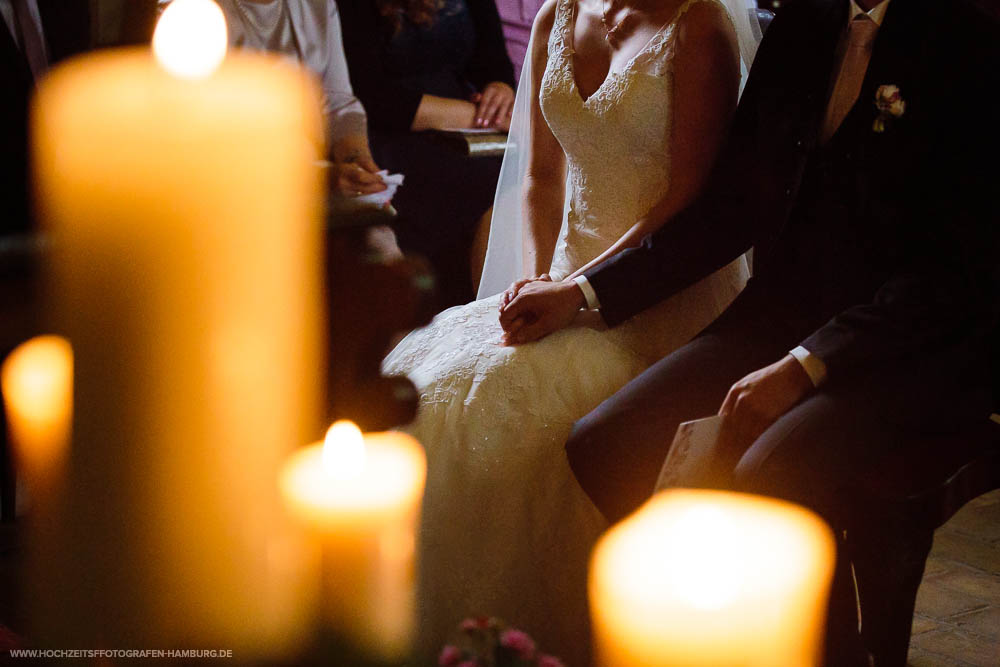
point(360, 495)
point(37, 382)
point(701, 578)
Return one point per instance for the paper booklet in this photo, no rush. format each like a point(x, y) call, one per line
point(694, 450)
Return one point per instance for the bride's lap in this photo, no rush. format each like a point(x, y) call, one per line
point(461, 367)
point(506, 530)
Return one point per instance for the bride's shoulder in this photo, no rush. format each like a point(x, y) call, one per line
point(541, 30)
point(702, 21)
point(545, 18)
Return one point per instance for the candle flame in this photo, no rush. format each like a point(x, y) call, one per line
point(37, 382)
point(190, 38)
point(703, 574)
point(344, 451)
point(38, 377)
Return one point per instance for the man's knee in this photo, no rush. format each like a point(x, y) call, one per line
point(582, 447)
point(605, 465)
point(799, 459)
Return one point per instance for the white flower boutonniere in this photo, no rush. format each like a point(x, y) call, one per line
point(890, 104)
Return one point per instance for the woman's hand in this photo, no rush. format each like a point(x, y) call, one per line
point(355, 178)
point(353, 171)
point(354, 148)
point(494, 105)
point(515, 287)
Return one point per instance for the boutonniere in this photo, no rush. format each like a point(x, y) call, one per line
point(890, 104)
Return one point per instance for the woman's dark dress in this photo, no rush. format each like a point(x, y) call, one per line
point(445, 192)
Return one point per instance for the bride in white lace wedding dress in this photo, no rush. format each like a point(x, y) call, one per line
point(506, 531)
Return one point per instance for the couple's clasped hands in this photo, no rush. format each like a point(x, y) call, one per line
point(532, 308)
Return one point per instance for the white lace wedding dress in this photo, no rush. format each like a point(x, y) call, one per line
point(506, 530)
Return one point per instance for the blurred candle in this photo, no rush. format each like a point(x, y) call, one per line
point(185, 219)
point(360, 495)
point(37, 384)
point(701, 578)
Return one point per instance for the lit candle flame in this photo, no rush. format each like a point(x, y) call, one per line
point(37, 381)
point(344, 451)
point(190, 38)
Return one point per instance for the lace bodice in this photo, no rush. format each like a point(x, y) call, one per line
point(623, 128)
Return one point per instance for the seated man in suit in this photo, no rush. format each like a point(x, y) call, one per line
point(860, 168)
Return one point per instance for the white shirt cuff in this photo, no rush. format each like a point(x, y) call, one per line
point(811, 364)
point(593, 303)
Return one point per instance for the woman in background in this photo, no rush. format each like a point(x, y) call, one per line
point(308, 31)
point(423, 65)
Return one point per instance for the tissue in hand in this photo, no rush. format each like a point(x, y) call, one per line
point(392, 182)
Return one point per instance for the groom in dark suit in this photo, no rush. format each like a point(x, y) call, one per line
point(861, 168)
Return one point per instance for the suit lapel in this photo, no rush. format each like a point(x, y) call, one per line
point(826, 46)
point(800, 109)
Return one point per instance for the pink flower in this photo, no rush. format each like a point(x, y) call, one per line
point(549, 661)
point(473, 624)
point(450, 655)
point(519, 642)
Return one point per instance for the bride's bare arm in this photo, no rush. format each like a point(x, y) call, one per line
point(545, 180)
point(706, 82)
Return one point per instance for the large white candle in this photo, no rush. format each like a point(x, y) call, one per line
point(360, 496)
point(708, 578)
point(185, 219)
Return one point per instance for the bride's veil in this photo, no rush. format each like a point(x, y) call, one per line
point(504, 251)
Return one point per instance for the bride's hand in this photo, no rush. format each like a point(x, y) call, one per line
point(539, 309)
point(516, 286)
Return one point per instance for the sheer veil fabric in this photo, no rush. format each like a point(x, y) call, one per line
point(504, 250)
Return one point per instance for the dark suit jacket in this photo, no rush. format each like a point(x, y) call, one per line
point(893, 234)
point(67, 31)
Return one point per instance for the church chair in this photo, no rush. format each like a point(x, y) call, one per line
point(919, 489)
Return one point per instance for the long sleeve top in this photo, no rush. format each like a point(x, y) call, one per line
point(309, 32)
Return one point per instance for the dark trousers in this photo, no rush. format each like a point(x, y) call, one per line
point(813, 455)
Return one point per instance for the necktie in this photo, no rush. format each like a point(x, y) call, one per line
point(858, 51)
point(31, 40)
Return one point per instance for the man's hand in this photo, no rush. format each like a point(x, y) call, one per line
point(540, 308)
point(516, 286)
point(759, 399)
